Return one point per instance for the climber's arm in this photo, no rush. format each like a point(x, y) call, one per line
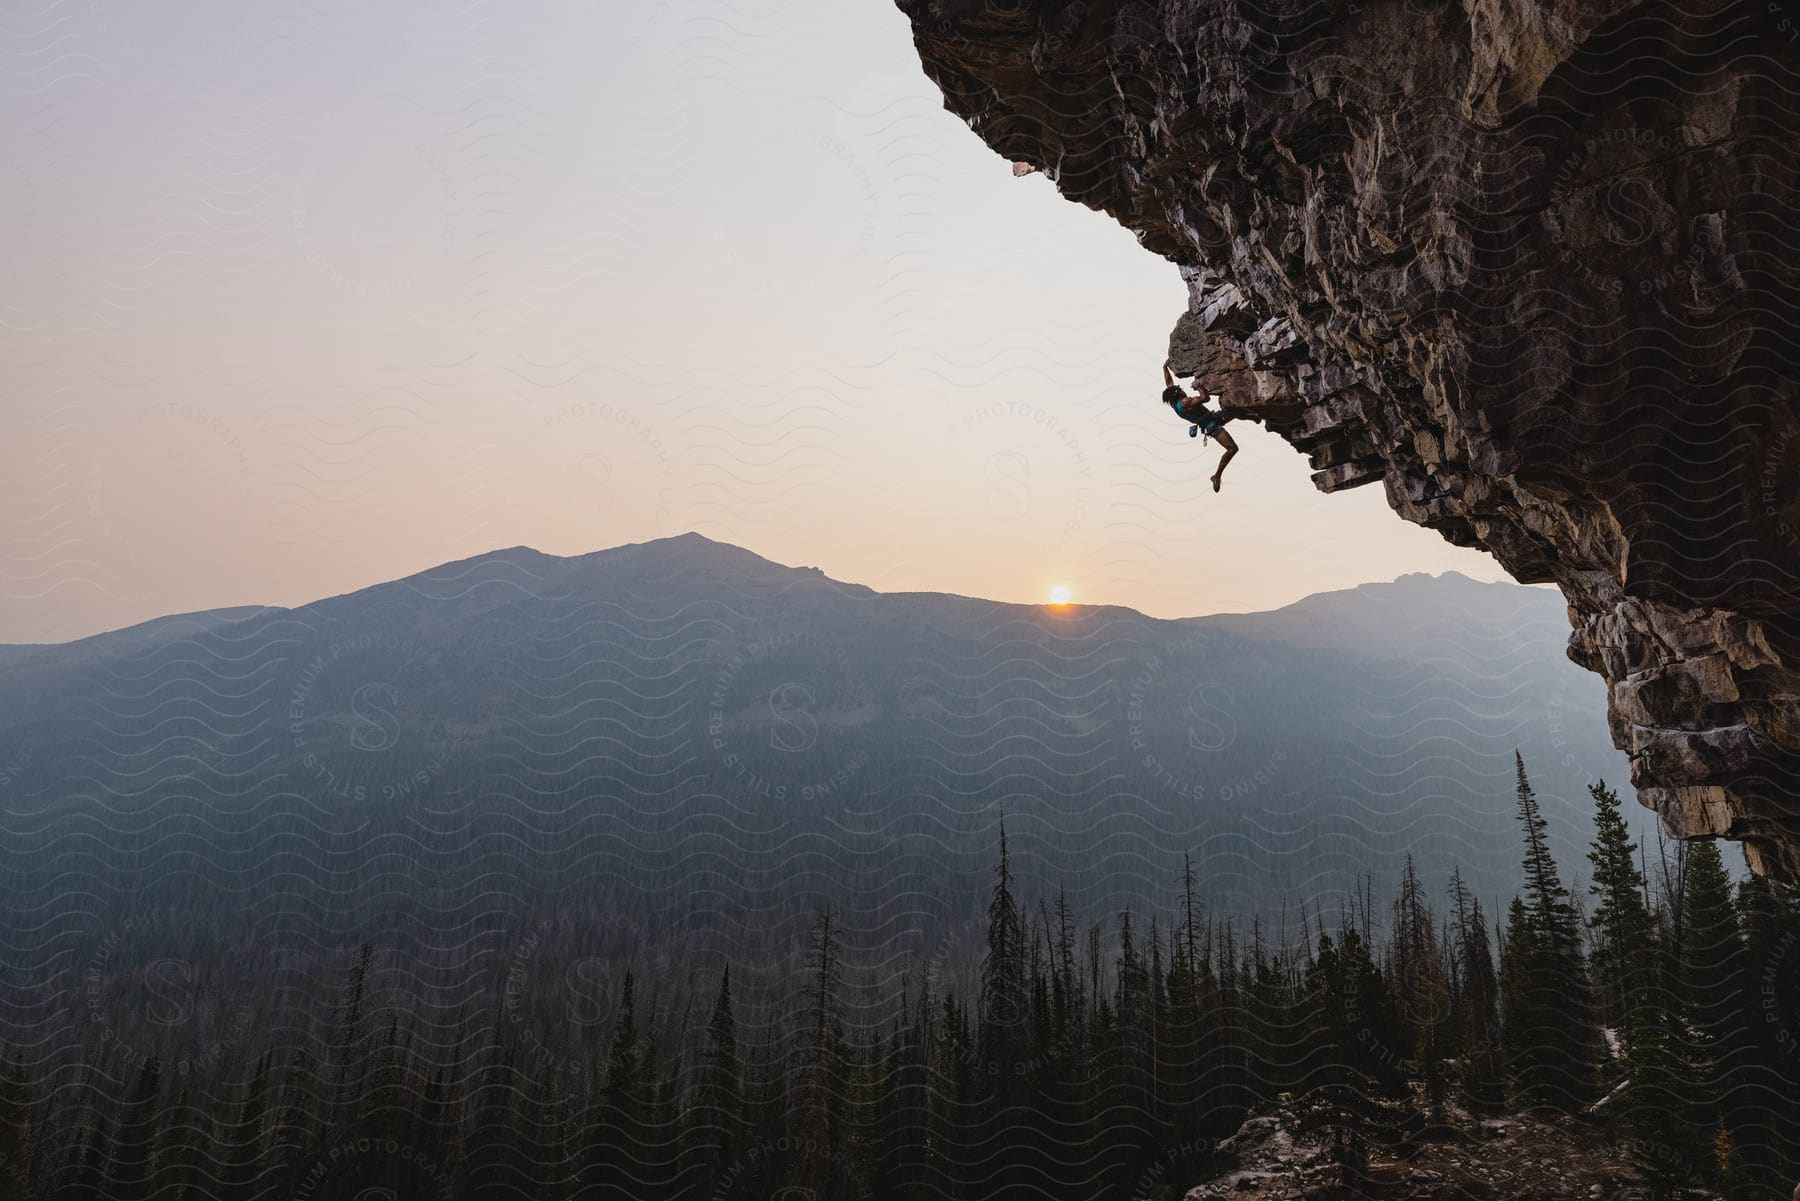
point(1168, 376)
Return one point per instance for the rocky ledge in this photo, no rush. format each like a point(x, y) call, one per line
point(1533, 265)
point(1296, 1153)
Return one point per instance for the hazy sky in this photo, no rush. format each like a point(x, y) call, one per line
point(304, 296)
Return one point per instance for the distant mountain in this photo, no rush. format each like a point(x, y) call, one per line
point(683, 706)
point(1417, 617)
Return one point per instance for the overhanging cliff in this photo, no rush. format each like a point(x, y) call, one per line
point(1533, 265)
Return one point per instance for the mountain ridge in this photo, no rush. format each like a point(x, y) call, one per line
point(682, 686)
point(546, 565)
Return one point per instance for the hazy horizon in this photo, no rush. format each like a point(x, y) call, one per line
point(308, 298)
point(1040, 602)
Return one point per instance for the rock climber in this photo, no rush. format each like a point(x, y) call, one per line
point(1200, 419)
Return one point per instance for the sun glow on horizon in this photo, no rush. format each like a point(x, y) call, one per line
point(1060, 595)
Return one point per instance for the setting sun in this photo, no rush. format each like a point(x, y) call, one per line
point(1060, 595)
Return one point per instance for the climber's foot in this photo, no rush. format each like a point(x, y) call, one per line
point(1216, 483)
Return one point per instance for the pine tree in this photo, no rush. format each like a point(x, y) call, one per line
point(1376, 1032)
point(135, 1148)
point(860, 1151)
point(955, 1135)
point(490, 1155)
point(1346, 1002)
point(1661, 1142)
point(1547, 898)
point(1184, 1045)
point(907, 1141)
point(1551, 1041)
point(1128, 1001)
point(1483, 1082)
point(1146, 1043)
point(244, 1140)
point(619, 1141)
point(546, 1137)
point(624, 1061)
point(296, 1129)
point(1629, 970)
point(1518, 954)
point(386, 1102)
point(820, 1120)
point(1068, 978)
point(1001, 1032)
point(1767, 1085)
point(1625, 956)
point(1189, 918)
point(1419, 984)
point(1328, 1034)
point(716, 1123)
point(349, 1032)
point(1711, 980)
point(441, 1115)
point(826, 980)
point(657, 1135)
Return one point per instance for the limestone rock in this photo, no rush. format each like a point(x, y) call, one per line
point(1533, 265)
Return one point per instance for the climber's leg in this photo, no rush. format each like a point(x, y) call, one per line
point(1224, 440)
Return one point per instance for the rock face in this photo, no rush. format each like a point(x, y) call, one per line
point(1533, 265)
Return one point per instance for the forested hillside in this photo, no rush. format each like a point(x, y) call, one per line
point(521, 781)
point(1089, 1055)
point(645, 714)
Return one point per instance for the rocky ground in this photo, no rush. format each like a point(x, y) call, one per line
point(1291, 1156)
